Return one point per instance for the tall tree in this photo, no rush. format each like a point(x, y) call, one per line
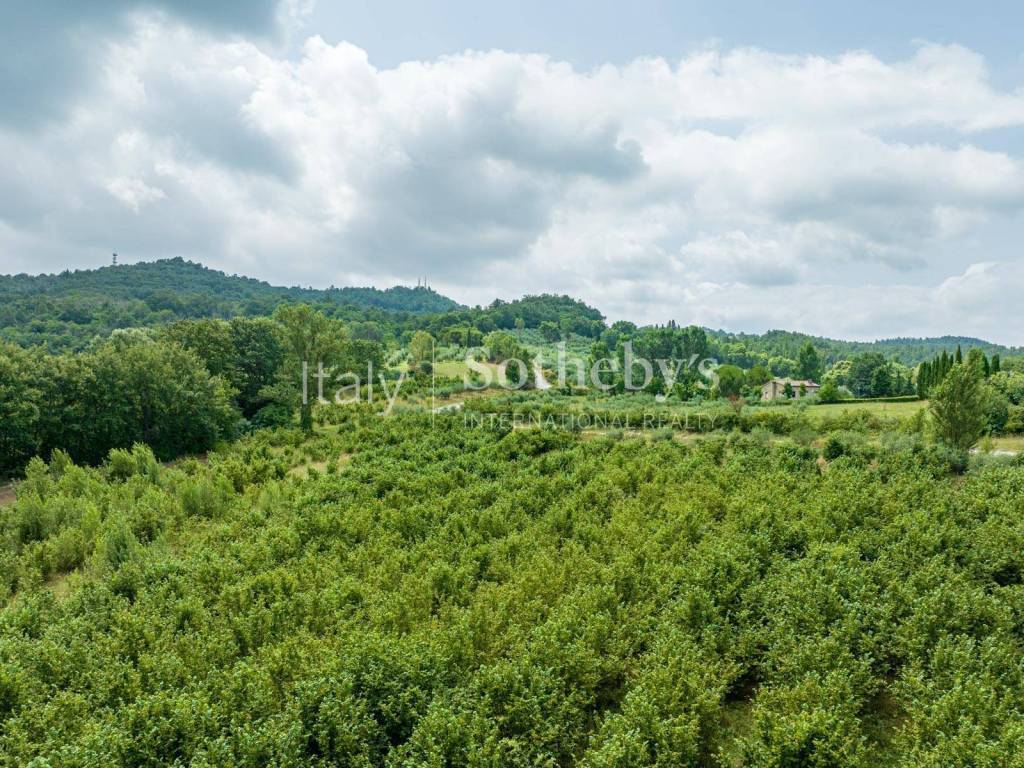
point(730, 381)
point(809, 363)
point(924, 371)
point(758, 376)
point(976, 359)
point(958, 408)
point(862, 373)
point(882, 381)
point(21, 405)
point(312, 340)
point(421, 347)
point(259, 354)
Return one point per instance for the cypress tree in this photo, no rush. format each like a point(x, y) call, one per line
point(996, 363)
point(924, 379)
point(959, 355)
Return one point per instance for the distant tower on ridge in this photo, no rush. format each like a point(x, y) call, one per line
point(115, 260)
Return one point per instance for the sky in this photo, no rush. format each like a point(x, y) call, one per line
point(850, 170)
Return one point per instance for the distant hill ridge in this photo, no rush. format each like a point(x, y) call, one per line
point(68, 309)
point(909, 350)
point(179, 277)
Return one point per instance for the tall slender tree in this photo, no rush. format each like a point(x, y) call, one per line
point(312, 340)
point(958, 408)
point(809, 362)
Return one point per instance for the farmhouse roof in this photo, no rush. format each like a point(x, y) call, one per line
point(796, 382)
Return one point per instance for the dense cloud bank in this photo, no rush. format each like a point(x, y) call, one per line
point(737, 188)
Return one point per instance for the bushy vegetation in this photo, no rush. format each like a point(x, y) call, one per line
point(680, 575)
point(413, 592)
point(126, 390)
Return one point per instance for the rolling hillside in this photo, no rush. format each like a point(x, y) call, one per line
point(67, 309)
point(909, 351)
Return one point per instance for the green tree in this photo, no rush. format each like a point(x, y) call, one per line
point(360, 356)
point(924, 378)
point(881, 381)
point(259, 355)
point(958, 408)
point(311, 339)
point(153, 393)
point(1011, 384)
point(550, 331)
point(809, 363)
point(840, 372)
point(421, 347)
point(997, 410)
point(502, 346)
point(829, 392)
point(862, 372)
point(21, 403)
point(758, 376)
point(730, 381)
point(133, 390)
point(246, 351)
point(976, 359)
point(210, 339)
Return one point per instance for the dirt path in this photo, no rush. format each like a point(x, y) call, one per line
point(538, 378)
point(6, 494)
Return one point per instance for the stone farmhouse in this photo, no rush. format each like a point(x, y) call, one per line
point(776, 388)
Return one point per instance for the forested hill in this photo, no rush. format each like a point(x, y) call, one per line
point(84, 303)
point(66, 311)
point(175, 283)
point(909, 351)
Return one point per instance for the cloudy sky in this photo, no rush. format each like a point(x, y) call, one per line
point(846, 169)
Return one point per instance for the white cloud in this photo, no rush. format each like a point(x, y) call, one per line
point(134, 193)
point(741, 188)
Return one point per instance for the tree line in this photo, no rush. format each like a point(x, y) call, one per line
point(179, 389)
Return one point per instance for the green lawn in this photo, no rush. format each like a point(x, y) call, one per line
point(453, 368)
point(1013, 443)
point(456, 369)
point(892, 410)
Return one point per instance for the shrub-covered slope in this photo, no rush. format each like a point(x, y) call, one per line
point(424, 594)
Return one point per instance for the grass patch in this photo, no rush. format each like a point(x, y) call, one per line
point(876, 408)
point(1013, 443)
